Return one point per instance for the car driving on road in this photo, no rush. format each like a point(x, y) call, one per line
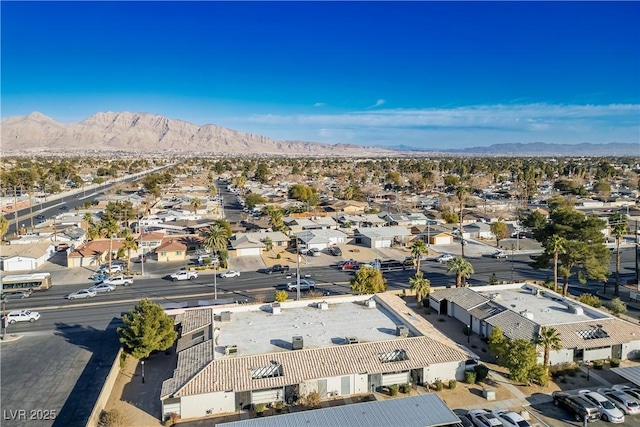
point(230, 273)
point(102, 287)
point(305, 285)
point(444, 258)
point(499, 255)
point(82, 293)
point(16, 295)
point(184, 275)
point(22, 316)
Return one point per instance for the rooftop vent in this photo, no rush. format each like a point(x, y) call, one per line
point(402, 331)
point(575, 309)
point(527, 314)
point(352, 340)
point(230, 349)
point(297, 342)
point(275, 308)
point(225, 316)
point(323, 305)
point(495, 297)
point(371, 303)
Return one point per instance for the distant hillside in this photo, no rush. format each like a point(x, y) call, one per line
point(142, 132)
point(539, 149)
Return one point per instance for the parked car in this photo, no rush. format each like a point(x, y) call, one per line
point(62, 247)
point(305, 285)
point(510, 418)
point(63, 208)
point(184, 275)
point(22, 316)
point(464, 419)
point(579, 406)
point(82, 293)
point(335, 251)
point(627, 404)
point(499, 255)
point(16, 295)
point(277, 268)
point(608, 411)
point(115, 268)
point(482, 418)
point(444, 258)
point(102, 287)
point(633, 392)
point(230, 273)
point(40, 216)
point(202, 259)
point(141, 258)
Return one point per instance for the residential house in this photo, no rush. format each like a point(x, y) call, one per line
point(27, 257)
point(93, 253)
point(382, 237)
point(321, 239)
point(479, 230)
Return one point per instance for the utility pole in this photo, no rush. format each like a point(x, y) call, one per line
point(297, 271)
point(31, 206)
point(637, 249)
point(15, 208)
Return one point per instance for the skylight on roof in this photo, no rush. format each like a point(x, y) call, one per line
point(273, 370)
point(595, 332)
point(393, 356)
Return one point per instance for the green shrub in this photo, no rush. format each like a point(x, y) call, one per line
point(278, 256)
point(591, 300)
point(279, 406)
point(259, 407)
point(539, 375)
point(616, 306)
point(427, 310)
point(393, 390)
point(452, 384)
point(405, 388)
point(481, 372)
point(123, 360)
point(470, 377)
point(598, 364)
point(614, 363)
point(439, 385)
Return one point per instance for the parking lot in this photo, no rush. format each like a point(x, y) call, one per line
point(555, 416)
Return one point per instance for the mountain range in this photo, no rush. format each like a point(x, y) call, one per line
point(143, 132)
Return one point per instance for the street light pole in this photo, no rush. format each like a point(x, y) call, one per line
point(297, 271)
point(142, 363)
point(215, 284)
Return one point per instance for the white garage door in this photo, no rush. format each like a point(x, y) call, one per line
point(170, 406)
point(249, 251)
point(19, 264)
point(267, 396)
point(397, 378)
point(442, 240)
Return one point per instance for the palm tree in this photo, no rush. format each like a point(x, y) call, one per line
point(619, 228)
point(110, 228)
point(420, 285)
point(130, 244)
point(463, 269)
point(4, 227)
point(195, 204)
point(93, 232)
point(461, 194)
point(216, 238)
point(550, 340)
point(276, 219)
point(268, 243)
point(556, 244)
point(88, 218)
point(418, 249)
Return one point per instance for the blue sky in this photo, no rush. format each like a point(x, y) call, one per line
point(425, 74)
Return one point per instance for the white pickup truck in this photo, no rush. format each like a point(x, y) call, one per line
point(119, 281)
point(184, 275)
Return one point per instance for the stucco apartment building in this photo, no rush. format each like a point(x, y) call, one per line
point(232, 357)
point(520, 310)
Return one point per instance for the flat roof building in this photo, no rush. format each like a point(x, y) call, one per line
point(232, 357)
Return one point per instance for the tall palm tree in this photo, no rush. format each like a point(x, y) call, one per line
point(461, 194)
point(130, 244)
point(549, 338)
point(110, 228)
point(4, 227)
point(276, 219)
point(195, 204)
point(418, 249)
point(619, 226)
point(420, 285)
point(93, 232)
point(462, 268)
point(556, 244)
point(88, 219)
point(216, 238)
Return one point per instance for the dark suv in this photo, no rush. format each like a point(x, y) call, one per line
point(580, 407)
point(278, 268)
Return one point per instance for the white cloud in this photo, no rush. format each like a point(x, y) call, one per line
point(378, 103)
point(483, 124)
point(319, 104)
